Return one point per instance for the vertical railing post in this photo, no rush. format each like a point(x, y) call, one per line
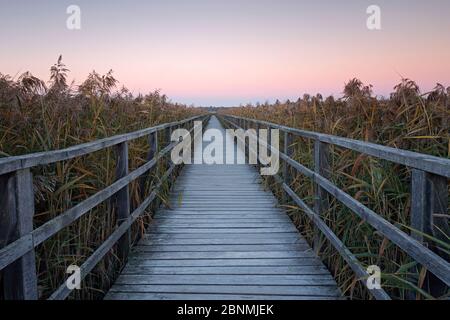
point(123, 199)
point(429, 200)
point(153, 150)
point(17, 211)
point(321, 201)
point(288, 152)
point(246, 146)
point(257, 143)
point(169, 135)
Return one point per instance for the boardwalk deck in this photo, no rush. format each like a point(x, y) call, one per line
point(223, 238)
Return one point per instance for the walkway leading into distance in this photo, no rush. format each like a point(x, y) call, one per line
point(223, 238)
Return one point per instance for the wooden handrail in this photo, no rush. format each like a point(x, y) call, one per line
point(11, 164)
point(17, 257)
point(428, 163)
point(423, 210)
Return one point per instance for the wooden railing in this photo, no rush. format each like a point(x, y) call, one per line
point(18, 238)
point(429, 195)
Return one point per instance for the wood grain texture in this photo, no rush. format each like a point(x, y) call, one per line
point(222, 236)
point(11, 164)
point(432, 164)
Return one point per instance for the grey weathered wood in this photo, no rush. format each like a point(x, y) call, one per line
point(432, 164)
point(11, 164)
point(221, 223)
point(308, 290)
point(123, 199)
point(345, 253)
point(17, 237)
point(63, 291)
point(288, 151)
point(418, 252)
point(15, 250)
point(247, 270)
point(429, 199)
point(227, 279)
point(19, 277)
point(57, 224)
point(177, 240)
point(153, 151)
point(421, 212)
point(178, 296)
point(227, 254)
point(143, 261)
point(321, 202)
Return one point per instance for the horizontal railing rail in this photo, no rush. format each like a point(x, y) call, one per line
point(17, 257)
point(429, 195)
point(10, 164)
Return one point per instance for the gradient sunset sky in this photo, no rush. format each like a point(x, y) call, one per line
point(225, 53)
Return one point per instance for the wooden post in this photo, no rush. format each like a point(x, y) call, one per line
point(246, 146)
point(123, 199)
point(153, 150)
point(17, 211)
point(168, 135)
point(429, 200)
point(321, 203)
point(286, 174)
point(257, 144)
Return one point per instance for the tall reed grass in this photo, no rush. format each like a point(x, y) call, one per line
point(407, 120)
point(38, 116)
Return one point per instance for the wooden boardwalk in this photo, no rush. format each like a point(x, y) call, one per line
point(222, 238)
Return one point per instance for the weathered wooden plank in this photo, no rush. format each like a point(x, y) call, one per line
point(321, 202)
point(11, 164)
point(149, 247)
point(227, 254)
point(220, 219)
point(436, 165)
point(418, 252)
point(57, 224)
point(429, 200)
point(228, 225)
point(303, 290)
point(19, 277)
point(221, 211)
point(143, 261)
point(253, 270)
point(223, 225)
point(63, 291)
point(348, 256)
point(176, 296)
point(15, 250)
point(267, 231)
point(153, 151)
point(224, 241)
point(122, 199)
point(434, 263)
point(319, 280)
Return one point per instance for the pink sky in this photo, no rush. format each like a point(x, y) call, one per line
point(226, 53)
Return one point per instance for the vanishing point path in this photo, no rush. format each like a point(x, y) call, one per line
point(223, 237)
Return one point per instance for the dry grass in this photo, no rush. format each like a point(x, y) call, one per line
point(36, 116)
point(408, 120)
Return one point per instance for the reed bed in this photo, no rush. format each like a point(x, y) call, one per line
point(38, 116)
point(408, 120)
